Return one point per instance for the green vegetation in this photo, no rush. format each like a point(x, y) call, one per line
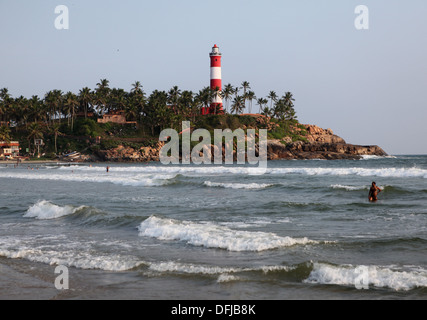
point(68, 122)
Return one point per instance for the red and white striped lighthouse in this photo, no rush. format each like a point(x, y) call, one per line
point(216, 80)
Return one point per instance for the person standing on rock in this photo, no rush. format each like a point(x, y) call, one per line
point(373, 192)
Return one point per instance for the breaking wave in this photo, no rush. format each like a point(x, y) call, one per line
point(364, 172)
point(214, 170)
point(45, 210)
point(136, 180)
point(164, 175)
point(61, 251)
point(172, 266)
point(392, 277)
point(250, 186)
point(215, 236)
point(81, 260)
point(373, 157)
point(349, 188)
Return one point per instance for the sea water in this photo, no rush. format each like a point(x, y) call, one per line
point(303, 230)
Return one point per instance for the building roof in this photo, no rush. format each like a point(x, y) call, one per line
point(9, 144)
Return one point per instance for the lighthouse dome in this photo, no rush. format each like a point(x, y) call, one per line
point(215, 50)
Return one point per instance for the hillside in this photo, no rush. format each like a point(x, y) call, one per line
point(110, 142)
point(287, 140)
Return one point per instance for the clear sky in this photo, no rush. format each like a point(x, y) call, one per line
point(369, 86)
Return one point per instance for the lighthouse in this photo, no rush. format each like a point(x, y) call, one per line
point(216, 80)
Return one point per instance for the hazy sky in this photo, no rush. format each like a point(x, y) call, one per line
point(369, 86)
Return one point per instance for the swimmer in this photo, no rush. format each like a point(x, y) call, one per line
point(373, 192)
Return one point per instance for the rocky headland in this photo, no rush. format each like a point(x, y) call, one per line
point(318, 144)
point(321, 144)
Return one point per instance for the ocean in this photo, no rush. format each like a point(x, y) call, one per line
point(303, 230)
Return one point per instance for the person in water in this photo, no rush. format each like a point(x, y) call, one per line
point(373, 192)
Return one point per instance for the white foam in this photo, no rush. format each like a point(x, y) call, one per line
point(356, 188)
point(45, 210)
point(253, 222)
point(223, 278)
point(215, 236)
point(373, 157)
point(237, 185)
point(173, 266)
point(82, 260)
point(364, 172)
point(160, 169)
point(381, 277)
point(60, 251)
point(237, 170)
point(159, 175)
point(349, 188)
point(138, 180)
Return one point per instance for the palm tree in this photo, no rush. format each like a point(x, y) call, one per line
point(136, 88)
point(266, 111)
point(37, 109)
point(156, 110)
point(131, 111)
point(261, 102)
point(250, 96)
point(236, 91)
point(58, 102)
point(53, 100)
point(226, 94)
point(49, 101)
point(273, 97)
point(290, 113)
point(2, 110)
point(136, 101)
point(289, 99)
point(102, 93)
point(5, 101)
point(103, 84)
point(86, 99)
point(245, 85)
point(279, 110)
point(205, 96)
point(70, 104)
point(196, 106)
point(238, 105)
point(4, 133)
point(117, 100)
point(22, 109)
point(173, 97)
point(185, 103)
point(55, 131)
